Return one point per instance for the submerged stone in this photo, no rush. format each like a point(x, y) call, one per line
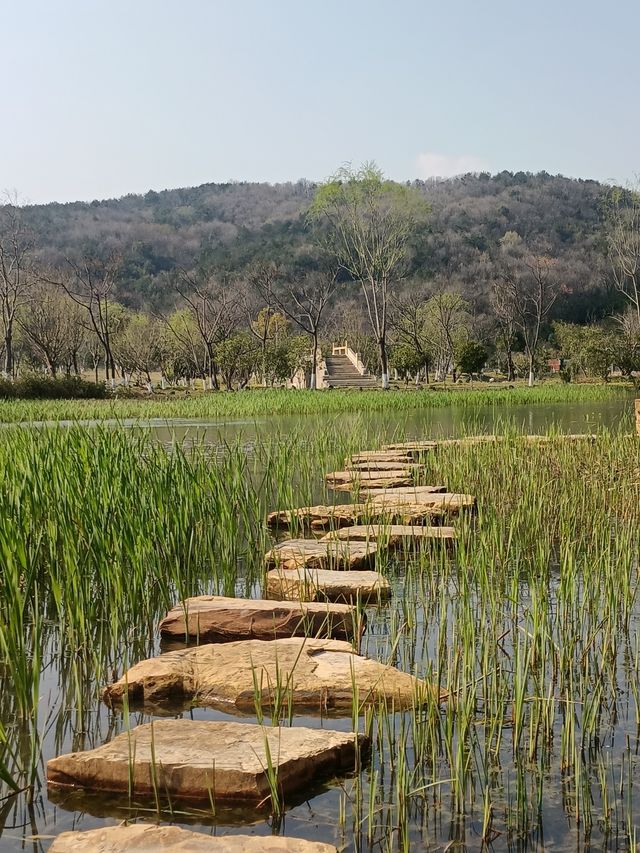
point(146, 838)
point(318, 585)
point(216, 619)
point(313, 554)
point(202, 761)
point(312, 675)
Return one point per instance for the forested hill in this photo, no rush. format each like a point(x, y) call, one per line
point(232, 225)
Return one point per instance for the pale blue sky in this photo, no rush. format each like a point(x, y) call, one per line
point(105, 97)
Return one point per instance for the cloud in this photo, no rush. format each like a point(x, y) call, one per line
point(432, 165)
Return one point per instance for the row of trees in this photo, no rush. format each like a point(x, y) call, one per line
point(268, 322)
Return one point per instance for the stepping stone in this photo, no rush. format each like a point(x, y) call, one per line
point(201, 761)
point(393, 535)
point(358, 469)
point(413, 493)
point(381, 482)
point(147, 838)
point(305, 585)
point(216, 619)
point(450, 501)
point(337, 515)
point(338, 477)
point(314, 676)
point(413, 447)
point(378, 456)
point(313, 554)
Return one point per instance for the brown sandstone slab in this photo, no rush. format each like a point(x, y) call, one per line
point(313, 554)
point(380, 482)
point(340, 477)
point(450, 501)
point(393, 535)
point(306, 585)
point(317, 676)
point(337, 515)
point(196, 760)
point(414, 493)
point(146, 838)
point(412, 446)
point(378, 456)
point(369, 467)
point(216, 619)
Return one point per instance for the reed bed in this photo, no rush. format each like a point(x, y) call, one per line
point(532, 625)
point(260, 403)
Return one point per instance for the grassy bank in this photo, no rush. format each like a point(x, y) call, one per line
point(258, 403)
point(531, 626)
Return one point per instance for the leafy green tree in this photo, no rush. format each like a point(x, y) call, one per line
point(238, 358)
point(369, 222)
point(408, 361)
point(471, 357)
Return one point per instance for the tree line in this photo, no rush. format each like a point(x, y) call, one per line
point(353, 276)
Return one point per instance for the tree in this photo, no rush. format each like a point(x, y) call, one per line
point(409, 322)
point(526, 286)
point(471, 357)
point(447, 325)
point(17, 274)
point(140, 344)
point(214, 306)
point(90, 283)
point(303, 301)
point(623, 242)
point(237, 358)
point(51, 326)
point(369, 223)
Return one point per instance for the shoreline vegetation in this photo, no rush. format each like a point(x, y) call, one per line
point(264, 402)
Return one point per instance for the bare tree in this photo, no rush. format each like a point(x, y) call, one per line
point(17, 274)
point(370, 223)
point(526, 288)
point(214, 305)
point(409, 324)
point(50, 325)
point(89, 282)
point(303, 301)
point(447, 322)
point(623, 241)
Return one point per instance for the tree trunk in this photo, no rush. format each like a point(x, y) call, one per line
point(384, 364)
point(511, 371)
point(8, 349)
point(531, 376)
point(314, 364)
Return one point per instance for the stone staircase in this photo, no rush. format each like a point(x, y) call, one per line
point(342, 373)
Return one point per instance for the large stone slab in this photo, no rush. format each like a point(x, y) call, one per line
point(393, 535)
point(414, 493)
point(313, 554)
point(311, 675)
point(216, 619)
point(412, 447)
point(450, 501)
point(306, 585)
point(146, 838)
point(336, 515)
point(381, 482)
point(340, 477)
point(371, 466)
point(378, 456)
point(202, 761)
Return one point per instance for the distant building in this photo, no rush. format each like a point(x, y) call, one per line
point(554, 365)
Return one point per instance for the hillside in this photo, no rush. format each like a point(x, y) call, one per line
point(231, 225)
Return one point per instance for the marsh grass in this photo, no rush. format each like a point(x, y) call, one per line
point(531, 625)
point(261, 403)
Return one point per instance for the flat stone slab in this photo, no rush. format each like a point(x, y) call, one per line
point(414, 493)
point(412, 446)
point(313, 554)
point(347, 476)
point(449, 501)
point(369, 467)
point(336, 515)
point(393, 535)
point(146, 838)
point(310, 675)
point(306, 585)
point(381, 481)
point(216, 619)
point(200, 761)
point(378, 456)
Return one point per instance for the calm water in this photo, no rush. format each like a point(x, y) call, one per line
point(33, 827)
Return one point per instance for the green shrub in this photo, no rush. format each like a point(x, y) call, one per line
point(46, 388)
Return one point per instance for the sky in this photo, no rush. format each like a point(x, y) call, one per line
point(106, 97)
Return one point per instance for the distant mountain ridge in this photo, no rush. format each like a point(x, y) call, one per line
point(231, 225)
